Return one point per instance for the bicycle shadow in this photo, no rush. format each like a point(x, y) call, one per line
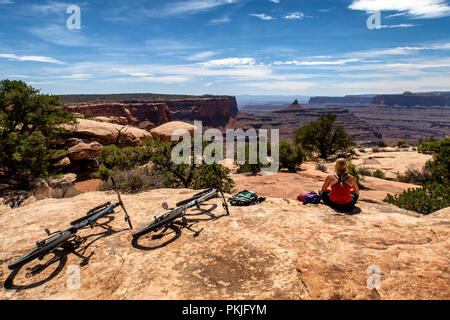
point(177, 227)
point(78, 247)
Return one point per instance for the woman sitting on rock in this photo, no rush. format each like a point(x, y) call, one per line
point(344, 191)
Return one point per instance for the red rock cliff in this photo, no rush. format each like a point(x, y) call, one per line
point(135, 113)
point(213, 111)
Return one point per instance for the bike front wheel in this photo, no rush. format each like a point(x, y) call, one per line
point(154, 226)
point(42, 250)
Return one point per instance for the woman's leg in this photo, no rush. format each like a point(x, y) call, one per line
point(325, 196)
point(355, 198)
point(349, 206)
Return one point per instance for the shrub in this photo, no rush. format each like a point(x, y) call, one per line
point(354, 172)
point(434, 146)
point(103, 172)
point(189, 174)
point(365, 172)
point(88, 116)
point(375, 149)
point(379, 174)
point(324, 137)
point(322, 167)
point(439, 166)
point(290, 157)
point(207, 176)
point(113, 157)
point(30, 131)
point(415, 176)
point(381, 144)
point(135, 180)
point(362, 150)
point(426, 139)
point(435, 176)
point(426, 200)
point(401, 144)
point(246, 166)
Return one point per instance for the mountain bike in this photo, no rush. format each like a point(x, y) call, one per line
point(166, 220)
point(57, 239)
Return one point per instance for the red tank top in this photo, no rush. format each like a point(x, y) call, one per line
point(341, 193)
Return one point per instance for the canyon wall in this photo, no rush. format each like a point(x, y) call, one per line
point(212, 110)
point(295, 116)
point(412, 99)
point(139, 114)
point(346, 99)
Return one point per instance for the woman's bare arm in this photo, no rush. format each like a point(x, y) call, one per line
point(326, 184)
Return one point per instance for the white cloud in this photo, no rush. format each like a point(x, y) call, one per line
point(281, 85)
point(233, 69)
point(227, 62)
point(400, 50)
point(163, 79)
point(403, 25)
point(78, 76)
point(201, 55)
point(30, 58)
point(167, 45)
point(262, 16)
point(294, 16)
point(400, 14)
point(193, 6)
point(394, 86)
point(316, 63)
point(220, 20)
point(6, 2)
point(58, 34)
point(50, 7)
point(425, 9)
point(275, 1)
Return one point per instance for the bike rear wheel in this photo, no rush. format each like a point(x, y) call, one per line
point(39, 251)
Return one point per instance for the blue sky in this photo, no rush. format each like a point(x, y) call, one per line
point(304, 47)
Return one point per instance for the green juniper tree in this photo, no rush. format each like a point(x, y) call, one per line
point(324, 137)
point(30, 131)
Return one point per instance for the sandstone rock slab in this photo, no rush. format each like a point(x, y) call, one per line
point(165, 131)
point(83, 151)
point(110, 132)
point(280, 249)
